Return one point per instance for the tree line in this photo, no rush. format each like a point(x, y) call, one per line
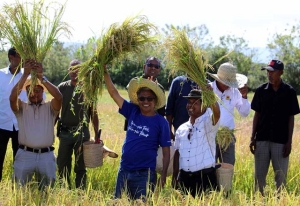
point(280, 46)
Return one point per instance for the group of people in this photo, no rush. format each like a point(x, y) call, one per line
point(151, 122)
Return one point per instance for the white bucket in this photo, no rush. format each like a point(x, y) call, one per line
point(159, 161)
point(224, 176)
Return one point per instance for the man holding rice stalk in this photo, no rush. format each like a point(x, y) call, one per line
point(146, 131)
point(74, 129)
point(232, 90)
point(9, 76)
point(36, 123)
point(275, 104)
point(195, 147)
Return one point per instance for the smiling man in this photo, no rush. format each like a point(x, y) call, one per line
point(146, 131)
point(275, 104)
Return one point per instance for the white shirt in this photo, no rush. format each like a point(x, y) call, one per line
point(231, 98)
point(199, 152)
point(8, 81)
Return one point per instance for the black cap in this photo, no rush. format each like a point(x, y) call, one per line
point(274, 65)
point(194, 94)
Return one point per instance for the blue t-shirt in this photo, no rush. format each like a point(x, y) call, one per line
point(143, 137)
point(176, 104)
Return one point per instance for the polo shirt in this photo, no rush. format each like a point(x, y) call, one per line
point(231, 98)
point(176, 103)
point(199, 151)
point(36, 124)
point(8, 81)
point(275, 108)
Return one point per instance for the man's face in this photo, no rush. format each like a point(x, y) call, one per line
point(152, 68)
point(194, 107)
point(73, 73)
point(36, 95)
point(274, 76)
point(14, 60)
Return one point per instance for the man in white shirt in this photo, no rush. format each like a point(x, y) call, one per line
point(9, 76)
point(232, 89)
point(195, 147)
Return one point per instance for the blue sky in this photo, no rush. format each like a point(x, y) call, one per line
point(256, 20)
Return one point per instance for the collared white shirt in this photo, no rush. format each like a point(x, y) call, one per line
point(8, 81)
point(199, 151)
point(231, 98)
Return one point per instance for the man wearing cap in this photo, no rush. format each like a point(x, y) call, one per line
point(195, 147)
point(146, 131)
point(9, 76)
point(74, 129)
point(275, 104)
point(36, 123)
point(180, 86)
point(232, 90)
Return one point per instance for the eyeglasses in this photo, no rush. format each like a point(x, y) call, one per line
point(149, 99)
point(156, 66)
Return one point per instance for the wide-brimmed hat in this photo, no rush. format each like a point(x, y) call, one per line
point(136, 83)
point(194, 94)
point(227, 74)
point(29, 82)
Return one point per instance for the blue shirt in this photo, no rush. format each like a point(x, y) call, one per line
point(143, 137)
point(176, 104)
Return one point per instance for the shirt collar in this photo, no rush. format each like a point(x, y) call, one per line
point(30, 103)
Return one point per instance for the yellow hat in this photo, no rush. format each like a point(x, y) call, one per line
point(29, 82)
point(136, 83)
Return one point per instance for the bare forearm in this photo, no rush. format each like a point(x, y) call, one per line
point(95, 121)
point(216, 112)
point(113, 92)
point(17, 88)
point(254, 125)
point(291, 128)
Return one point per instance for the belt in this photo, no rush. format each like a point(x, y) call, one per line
point(40, 150)
point(198, 173)
point(69, 128)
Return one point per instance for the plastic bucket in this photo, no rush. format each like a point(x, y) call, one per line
point(224, 176)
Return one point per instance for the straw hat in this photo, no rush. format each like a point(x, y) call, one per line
point(29, 81)
point(136, 83)
point(227, 75)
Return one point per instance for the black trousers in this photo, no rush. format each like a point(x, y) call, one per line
point(199, 181)
point(5, 135)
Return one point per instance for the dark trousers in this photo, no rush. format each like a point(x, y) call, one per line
point(199, 181)
point(4, 138)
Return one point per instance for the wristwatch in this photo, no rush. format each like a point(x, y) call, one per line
point(44, 80)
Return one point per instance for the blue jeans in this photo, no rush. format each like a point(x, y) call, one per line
point(135, 183)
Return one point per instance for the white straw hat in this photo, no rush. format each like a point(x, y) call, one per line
point(136, 83)
point(227, 74)
point(29, 82)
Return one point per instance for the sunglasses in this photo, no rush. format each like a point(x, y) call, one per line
point(149, 99)
point(156, 66)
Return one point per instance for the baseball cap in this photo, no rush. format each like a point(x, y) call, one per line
point(274, 65)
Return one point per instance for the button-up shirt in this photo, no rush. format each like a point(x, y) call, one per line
point(199, 151)
point(8, 119)
point(231, 98)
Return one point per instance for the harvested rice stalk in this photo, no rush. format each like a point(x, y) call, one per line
point(119, 40)
point(32, 28)
point(224, 137)
point(185, 57)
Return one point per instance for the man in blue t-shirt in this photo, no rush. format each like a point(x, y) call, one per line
point(146, 131)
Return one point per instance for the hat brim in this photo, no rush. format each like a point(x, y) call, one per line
point(136, 83)
point(233, 84)
point(192, 97)
point(269, 68)
point(29, 82)
point(109, 152)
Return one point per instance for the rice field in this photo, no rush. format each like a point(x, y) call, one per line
point(101, 181)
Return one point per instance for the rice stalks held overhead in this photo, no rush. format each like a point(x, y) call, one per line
point(224, 137)
point(118, 40)
point(185, 57)
point(32, 28)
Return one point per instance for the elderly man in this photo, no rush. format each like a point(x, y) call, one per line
point(275, 104)
point(195, 147)
point(36, 127)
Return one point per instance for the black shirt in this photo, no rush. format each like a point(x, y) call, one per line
point(275, 108)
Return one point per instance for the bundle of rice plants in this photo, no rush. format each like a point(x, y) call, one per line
point(32, 28)
point(224, 137)
point(120, 39)
point(184, 56)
